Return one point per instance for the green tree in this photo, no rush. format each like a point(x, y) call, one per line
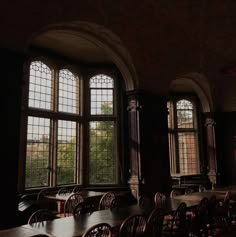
point(66, 162)
point(102, 149)
point(37, 162)
point(101, 170)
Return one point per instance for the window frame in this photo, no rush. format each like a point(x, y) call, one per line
point(173, 134)
point(99, 117)
point(83, 119)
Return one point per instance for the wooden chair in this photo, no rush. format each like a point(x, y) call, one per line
point(201, 188)
point(82, 208)
point(145, 201)
point(174, 193)
point(41, 194)
point(133, 226)
point(177, 226)
point(155, 223)
point(106, 200)
point(199, 223)
point(64, 191)
point(119, 202)
point(159, 196)
point(99, 230)
point(70, 203)
point(212, 207)
point(188, 191)
point(206, 221)
point(77, 189)
point(40, 216)
point(223, 213)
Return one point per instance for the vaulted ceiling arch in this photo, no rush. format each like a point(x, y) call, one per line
point(89, 43)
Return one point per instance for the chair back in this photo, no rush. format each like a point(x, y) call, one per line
point(155, 222)
point(226, 204)
point(178, 223)
point(99, 230)
point(174, 193)
point(201, 188)
point(200, 220)
point(227, 196)
point(145, 201)
point(82, 208)
point(188, 191)
point(64, 191)
point(119, 202)
point(71, 202)
point(77, 189)
point(159, 196)
point(133, 226)
point(106, 200)
point(40, 216)
point(212, 208)
point(41, 194)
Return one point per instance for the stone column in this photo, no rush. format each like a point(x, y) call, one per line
point(211, 151)
point(134, 145)
point(148, 144)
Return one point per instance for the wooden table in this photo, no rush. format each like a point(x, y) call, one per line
point(197, 196)
point(183, 187)
point(60, 199)
point(170, 204)
point(76, 226)
point(21, 232)
point(71, 226)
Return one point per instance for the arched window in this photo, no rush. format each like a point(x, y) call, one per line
point(183, 136)
point(102, 130)
point(61, 111)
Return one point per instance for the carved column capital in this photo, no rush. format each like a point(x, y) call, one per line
point(133, 105)
point(210, 122)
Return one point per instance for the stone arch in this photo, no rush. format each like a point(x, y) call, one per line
point(101, 38)
point(197, 83)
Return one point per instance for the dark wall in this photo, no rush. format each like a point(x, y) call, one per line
point(154, 150)
point(10, 77)
point(226, 147)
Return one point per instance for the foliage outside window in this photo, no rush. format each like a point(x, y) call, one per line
point(183, 136)
point(57, 121)
point(101, 146)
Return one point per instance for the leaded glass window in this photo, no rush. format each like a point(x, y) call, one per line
point(56, 152)
point(183, 137)
point(102, 130)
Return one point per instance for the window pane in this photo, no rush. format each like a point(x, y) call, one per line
point(68, 92)
point(187, 153)
point(37, 155)
point(184, 114)
point(40, 86)
point(66, 152)
point(101, 153)
point(101, 95)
